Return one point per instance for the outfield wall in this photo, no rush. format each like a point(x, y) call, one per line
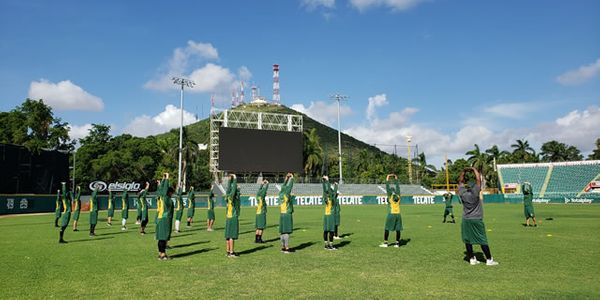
point(19, 204)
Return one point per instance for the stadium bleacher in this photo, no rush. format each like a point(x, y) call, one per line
point(561, 179)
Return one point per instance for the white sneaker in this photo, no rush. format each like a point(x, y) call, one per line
point(123, 228)
point(491, 262)
point(396, 245)
point(383, 245)
point(337, 238)
point(473, 261)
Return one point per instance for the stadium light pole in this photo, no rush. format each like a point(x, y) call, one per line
point(339, 98)
point(408, 140)
point(183, 82)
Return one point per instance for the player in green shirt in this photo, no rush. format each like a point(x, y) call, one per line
point(178, 209)
point(231, 215)
point(58, 209)
point(110, 210)
point(124, 209)
point(329, 216)
point(143, 206)
point(261, 211)
point(77, 208)
point(66, 213)
point(286, 210)
point(393, 221)
point(191, 206)
point(93, 212)
point(164, 205)
point(210, 209)
point(448, 209)
point(528, 203)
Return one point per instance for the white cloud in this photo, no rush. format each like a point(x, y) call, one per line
point(395, 5)
point(194, 62)
point(64, 95)
point(578, 128)
point(166, 120)
point(581, 75)
point(514, 110)
point(194, 51)
point(323, 112)
point(244, 73)
point(78, 132)
point(374, 102)
point(212, 78)
point(314, 4)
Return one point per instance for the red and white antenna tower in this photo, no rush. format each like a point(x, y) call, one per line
point(276, 96)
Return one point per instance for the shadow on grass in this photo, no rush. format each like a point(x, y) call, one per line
point(248, 251)
point(189, 244)
point(479, 255)
point(302, 246)
point(404, 242)
point(346, 234)
point(272, 240)
point(249, 231)
point(192, 252)
point(91, 239)
point(175, 235)
point(112, 233)
point(342, 244)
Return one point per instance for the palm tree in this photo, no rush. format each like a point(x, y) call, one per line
point(313, 153)
point(522, 151)
point(480, 161)
point(596, 153)
point(422, 166)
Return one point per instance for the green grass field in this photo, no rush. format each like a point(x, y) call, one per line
point(558, 259)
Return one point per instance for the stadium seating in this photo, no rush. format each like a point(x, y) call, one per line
point(562, 179)
point(568, 180)
point(534, 173)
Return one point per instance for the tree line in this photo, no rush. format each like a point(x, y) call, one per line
point(101, 156)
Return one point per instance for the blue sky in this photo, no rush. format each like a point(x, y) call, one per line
point(448, 73)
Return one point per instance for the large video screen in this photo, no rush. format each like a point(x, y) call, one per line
point(252, 150)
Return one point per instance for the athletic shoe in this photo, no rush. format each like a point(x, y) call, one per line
point(473, 261)
point(491, 262)
point(286, 251)
point(177, 231)
point(233, 254)
point(383, 245)
point(75, 229)
point(165, 258)
point(209, 229)
point(326, 247)
point(396, 245)
point(62, 241)
point(332, 248)
point(142, 232)
point(123, 228)
point(92, 234)
point(337, 238)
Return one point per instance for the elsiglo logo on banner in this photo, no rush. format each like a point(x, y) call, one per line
point(115, 186)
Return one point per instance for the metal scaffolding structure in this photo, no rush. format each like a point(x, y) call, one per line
point(247, 120)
